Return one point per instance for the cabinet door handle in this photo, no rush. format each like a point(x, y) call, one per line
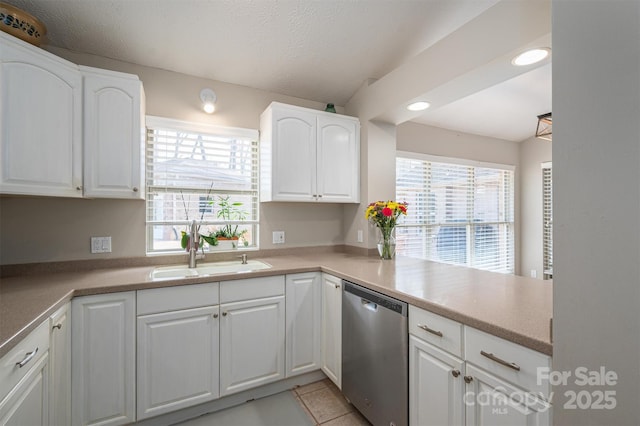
point(320, 196)
point(79, 188)
point(492, 357)
point(224, 314)
point(430, 330)
point(135, 189)
point(468, 379)
point(215, 315)
point(58, 326)
point(455, 373)
point(28, 357)
point(337, 285)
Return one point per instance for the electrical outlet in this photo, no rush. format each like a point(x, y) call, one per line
point(534, 273)
point(360, 236)
point(278, 237)
point(100, 244)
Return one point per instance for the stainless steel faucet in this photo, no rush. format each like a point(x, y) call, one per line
point(194, 239)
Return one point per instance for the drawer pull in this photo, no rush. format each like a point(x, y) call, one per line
point(58, 326)
point(492, 357)
point(455, 373)
point(468, 379)
point(430, 330)
point(28, 357)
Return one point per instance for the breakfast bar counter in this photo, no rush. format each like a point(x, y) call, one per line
point(515, 308)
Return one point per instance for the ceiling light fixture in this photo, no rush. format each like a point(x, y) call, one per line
point(543, 131)
point(208, 98)
point(531, 56)
point(418, 106)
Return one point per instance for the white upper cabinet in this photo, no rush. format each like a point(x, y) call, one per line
point(58, 119)
point(308, 155)
point(113, 134)
point(40, 122)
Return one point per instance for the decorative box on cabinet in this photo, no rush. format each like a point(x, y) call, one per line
point(40, 122)
point(103, 348)
point(308, 155)
point(113, 134)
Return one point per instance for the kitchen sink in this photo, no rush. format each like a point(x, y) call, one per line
point(205, 269)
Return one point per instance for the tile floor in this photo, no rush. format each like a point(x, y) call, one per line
point(326, 406)
point(318, 403)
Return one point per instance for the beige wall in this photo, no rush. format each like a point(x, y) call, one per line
point(48, 229)
point(424, 139)
point(533, 152)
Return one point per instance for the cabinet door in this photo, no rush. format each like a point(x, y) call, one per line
point(113, 135)
point(338, 159)
point(303, 317)
point(332, 328)
point(251, 344)
point(489, 400)
point(27, 403)
point(435, 386)
point(294, 155)
point(60, 367)
point(40, 122)
point(177, 360)
point(103, 351)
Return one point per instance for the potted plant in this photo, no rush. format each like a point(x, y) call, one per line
point(229, 211)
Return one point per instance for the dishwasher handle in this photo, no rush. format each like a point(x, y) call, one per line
point(367, 304)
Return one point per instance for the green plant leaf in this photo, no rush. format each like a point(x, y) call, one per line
point(184, 241)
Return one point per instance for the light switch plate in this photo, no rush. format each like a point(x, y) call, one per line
point(100, 244)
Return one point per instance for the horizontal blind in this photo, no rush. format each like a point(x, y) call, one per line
point(547, 221)
point(458, 213)
point(190, 174)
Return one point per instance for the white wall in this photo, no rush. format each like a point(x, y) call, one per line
point(55, 229)
point(533, 152)
point(596, 173)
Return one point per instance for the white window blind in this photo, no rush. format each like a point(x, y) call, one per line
point(547, 220)
point(458, 212)
point(192, 169)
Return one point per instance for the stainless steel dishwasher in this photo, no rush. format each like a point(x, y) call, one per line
point(375, 363)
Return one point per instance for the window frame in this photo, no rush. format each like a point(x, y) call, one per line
point(470, 224)
point(154, 122)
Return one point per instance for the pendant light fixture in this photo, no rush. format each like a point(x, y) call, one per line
point(543, 131)
point(208, 98)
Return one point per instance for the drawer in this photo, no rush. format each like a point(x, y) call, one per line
point(507, 360)
point(10, 373)
point(166, 299)
point(251, 288)
point(439, 331)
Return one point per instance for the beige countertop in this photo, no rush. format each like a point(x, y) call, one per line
point(514, 308)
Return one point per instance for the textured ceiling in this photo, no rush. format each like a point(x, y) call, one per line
point(320, 50)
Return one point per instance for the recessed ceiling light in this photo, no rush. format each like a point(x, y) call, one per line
point(530, 56)
point(418, 106)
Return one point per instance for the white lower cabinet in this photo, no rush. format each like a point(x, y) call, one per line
point(436, 384)
point(252, 333)
point(490, 400)
point(491, 382)
point(103, 379)
point(60, 367)
point(303, 318)
point(332, 328)
point(177, 360)
point(24, 381)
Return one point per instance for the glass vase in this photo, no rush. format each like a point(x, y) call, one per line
point(386, 244)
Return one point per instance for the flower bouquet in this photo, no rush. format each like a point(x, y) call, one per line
point(384, 215)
